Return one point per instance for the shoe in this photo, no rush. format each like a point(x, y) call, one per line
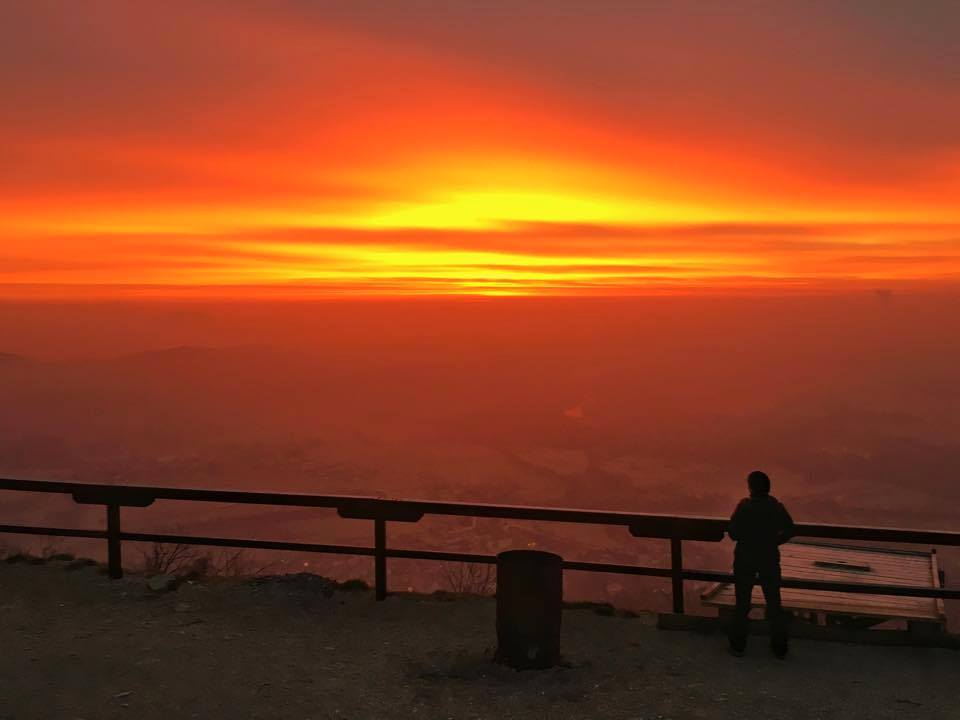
point(780, 653)
point(736, 652)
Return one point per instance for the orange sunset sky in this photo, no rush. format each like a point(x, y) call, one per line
point(364, 147)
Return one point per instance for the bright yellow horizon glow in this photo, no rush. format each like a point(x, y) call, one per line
point(481, 209)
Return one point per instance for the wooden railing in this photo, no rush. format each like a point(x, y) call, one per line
point(675, 528)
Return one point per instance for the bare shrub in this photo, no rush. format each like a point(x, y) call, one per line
point(168, 558)
point(233, 563)
point(190, 562)
point(52, 549)
point(470, 578)
point(225, 563)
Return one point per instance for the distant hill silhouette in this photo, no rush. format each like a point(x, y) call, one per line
point(172, 354)
point(13, 360)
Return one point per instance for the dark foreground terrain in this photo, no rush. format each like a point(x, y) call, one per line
point(77, 645)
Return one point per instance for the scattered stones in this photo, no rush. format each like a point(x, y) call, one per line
point(80, 564)
point(299, 583)
point(162, 583)
point(353, 585)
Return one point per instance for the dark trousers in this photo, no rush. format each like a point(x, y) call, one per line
point(747, 572)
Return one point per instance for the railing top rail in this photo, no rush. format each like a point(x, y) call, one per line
point(683, 526)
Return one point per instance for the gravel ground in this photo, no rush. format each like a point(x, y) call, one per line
point(74, 644)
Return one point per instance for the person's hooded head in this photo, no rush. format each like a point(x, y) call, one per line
point(759, 483)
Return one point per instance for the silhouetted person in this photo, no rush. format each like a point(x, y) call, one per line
point(760, 525)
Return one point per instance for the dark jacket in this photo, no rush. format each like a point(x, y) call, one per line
point(760, 524)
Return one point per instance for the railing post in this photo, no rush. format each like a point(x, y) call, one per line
point(380, 558)
point(676, 573)
point(114, 558)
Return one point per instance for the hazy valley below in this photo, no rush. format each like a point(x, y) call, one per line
point(651, 405)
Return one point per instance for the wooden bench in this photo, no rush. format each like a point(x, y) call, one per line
point(846, 563)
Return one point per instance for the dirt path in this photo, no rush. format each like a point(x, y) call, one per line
point(76, 645)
